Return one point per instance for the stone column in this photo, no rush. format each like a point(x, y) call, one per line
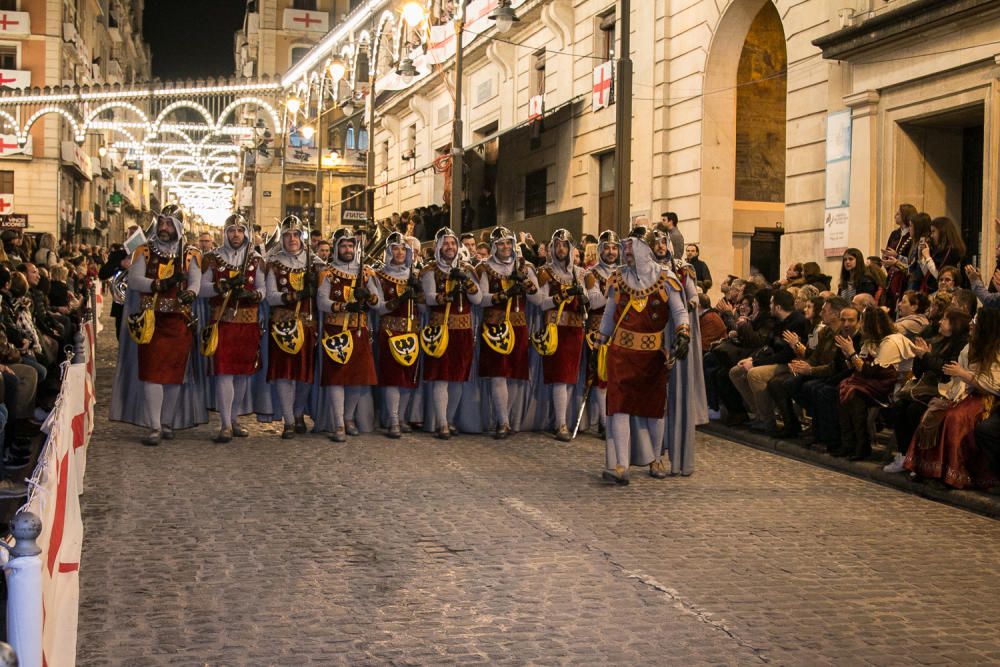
point(863, 231)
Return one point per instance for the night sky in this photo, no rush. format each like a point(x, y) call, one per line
point(192, 38)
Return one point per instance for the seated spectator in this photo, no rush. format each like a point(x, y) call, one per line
point(810, 363)
point(806, 293)
point(793, 277)
point(855, 276)
point(812, 310)
point(964, 299)
point(814, 276)
point(863, 301)
point(874, 374)
point(713, 328)
point(944, 446)
point(914, 396)
point(751, 374)
point(911, 313)
point(948, 279)
point(819, 395)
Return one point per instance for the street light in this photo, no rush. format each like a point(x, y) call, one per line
point(293, 104)
point(406, 71)
point(413, 14)
point(307, 131)
point(337, 70)
point(504, 16)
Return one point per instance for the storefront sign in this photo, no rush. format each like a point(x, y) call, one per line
point(14, 221)
point(838, 183)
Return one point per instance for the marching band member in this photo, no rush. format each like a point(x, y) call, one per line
point(449, 292)
point(561, 296)
point(291, 352)
point(642, 300)
point(347, 290)
point(163, 272)
point(233, 282)
point(397, 286)
point(596, 284)
point(504, 282)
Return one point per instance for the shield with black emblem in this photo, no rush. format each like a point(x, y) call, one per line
point(288, 335)
point(339, 346)
point(404, 348)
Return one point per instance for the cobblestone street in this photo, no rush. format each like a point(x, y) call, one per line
point(265, 552)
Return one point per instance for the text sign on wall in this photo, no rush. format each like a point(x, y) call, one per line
point(838, 182)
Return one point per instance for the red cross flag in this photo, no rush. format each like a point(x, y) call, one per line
point(603, 85)
point(303, 19)
point(15, 23)
point(6, 204)
point(536, 107)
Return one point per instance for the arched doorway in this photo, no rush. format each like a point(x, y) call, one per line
point(743, 140)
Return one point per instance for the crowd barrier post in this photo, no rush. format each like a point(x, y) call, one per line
point(24, 591)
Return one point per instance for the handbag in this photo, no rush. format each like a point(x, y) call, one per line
point(602, 349)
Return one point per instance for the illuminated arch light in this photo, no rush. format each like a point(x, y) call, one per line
point(276, 123)
point(11, 121)
point(117, 105)
point(22, 137)
point(181, 104)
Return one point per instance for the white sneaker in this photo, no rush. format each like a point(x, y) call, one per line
point(714, 415)
point(896, 465)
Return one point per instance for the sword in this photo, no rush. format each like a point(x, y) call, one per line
point(591, 374)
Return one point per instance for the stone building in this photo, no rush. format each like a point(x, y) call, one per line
point(276, 35)
point(62, 187)
point(778, 131)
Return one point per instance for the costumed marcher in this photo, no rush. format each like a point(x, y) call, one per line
point(347, 290)
point(232, 280)
point(164, 273)
point(504, 282)
point(450, 293)
point(686, 394)
point(596, 283)
point(398, 287)
point(644, 303)
point(291, 352)
point(560, 342)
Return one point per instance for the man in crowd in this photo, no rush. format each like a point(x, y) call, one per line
point(323, 251)
point(596, 284)
point(668, 223)
point(206, 243)
point(692, 253)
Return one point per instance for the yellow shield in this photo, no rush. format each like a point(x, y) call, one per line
point(295, 279)
point(602, 362)
point(141, 326)
point(404, 348)
point(434, 340)
point(592, 339)
point(499, 337)
point(165, 270)
point(288, 335)
point(546, 340)
point(210, 340)
point(339, 346)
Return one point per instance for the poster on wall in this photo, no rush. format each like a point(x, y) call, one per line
point(838, 182)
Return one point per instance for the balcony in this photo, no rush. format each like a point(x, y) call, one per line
point(115, 74)
point(303, 20)
point(14, 24)
point(14, 78)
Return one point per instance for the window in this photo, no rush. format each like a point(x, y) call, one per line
point(304, 4)
point(537, 73)
point(298, 53)
point(363, 140)
point(349, 137)
point(604, 36)
point(8, 56)
point(7, 182)
point(8, 5)
point(385, 156)
point(410, 148)
point(535, 186)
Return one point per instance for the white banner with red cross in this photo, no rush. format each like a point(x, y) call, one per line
point(56, 485)
point(603, 89)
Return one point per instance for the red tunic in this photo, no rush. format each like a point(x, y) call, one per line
point(360, 368)
point(637, 372)
point(456, 362)
point(404, 318)
point(491, 362)
point(280, 364)
point(164, 359)
point(238, 352)
point(563, 366)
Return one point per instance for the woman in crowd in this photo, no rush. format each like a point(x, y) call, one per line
point(911, 313)
point(875, 371)
point(944, 445)
point(855, 276)
point(814, 276)
point(931, 357)
point(944, 247)
point(947, 280)
point(46, 255)
point(895, 254)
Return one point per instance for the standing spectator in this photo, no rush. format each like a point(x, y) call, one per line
point(469, 241)
point(668, 223)
point(855, 276)
point(895, 254)
point(590, 255)
point(322, 250)
point(702, 276)
point(205, 242)
point(944, 248)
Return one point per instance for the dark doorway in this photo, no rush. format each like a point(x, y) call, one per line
point(765, 252)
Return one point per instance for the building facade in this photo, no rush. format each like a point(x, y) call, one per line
point(313, 164)
point(777, 131)
point(62, 187)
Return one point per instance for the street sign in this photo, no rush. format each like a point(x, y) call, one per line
point(13, 221)
point(354, 216)
point(267, 193)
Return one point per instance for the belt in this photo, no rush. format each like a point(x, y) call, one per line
point(244, 315)
point(283, 314)
point(594, 318)
point(568, 319)
point(517, 317)
point(394, 323)
point(455, 320)
point(638, 340)
point(165, 305)
point(337, 320)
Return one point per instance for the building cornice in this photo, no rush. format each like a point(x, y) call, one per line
point(886, 28)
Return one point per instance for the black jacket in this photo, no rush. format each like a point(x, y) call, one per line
point(778, 351)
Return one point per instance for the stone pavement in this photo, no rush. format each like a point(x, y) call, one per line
point(416, 551)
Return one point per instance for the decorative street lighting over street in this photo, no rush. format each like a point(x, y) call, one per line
point(504, 16)
point(407, 71)
point(413, 14)
point(293, 104)
point(348, 107)
point(102, 151)
point(337, 69)
point(307, 131)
